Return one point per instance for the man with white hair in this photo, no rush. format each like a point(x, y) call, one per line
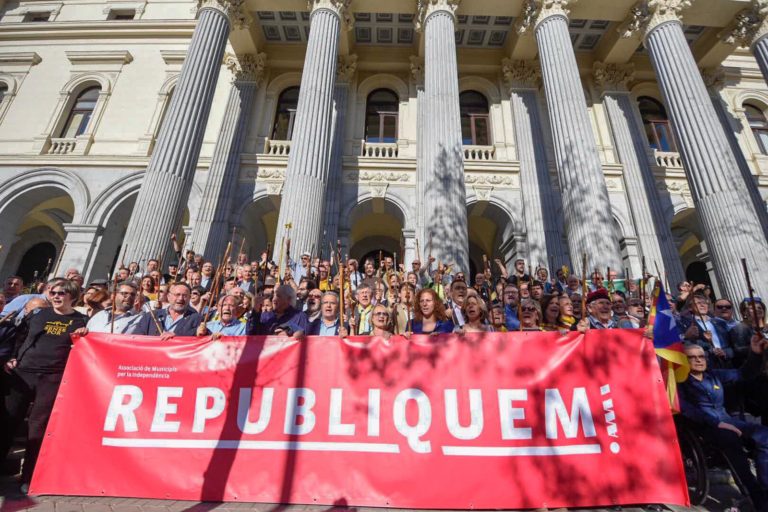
point(284, 319)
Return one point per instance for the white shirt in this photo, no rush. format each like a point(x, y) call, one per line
point(102, 321)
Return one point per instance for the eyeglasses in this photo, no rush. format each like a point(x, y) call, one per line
point(697, 358)
point(636, 304)
point(381, 313)
point(528, 309)
point(756, 299)
point(58, 294)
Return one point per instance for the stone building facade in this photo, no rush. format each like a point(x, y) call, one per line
point(540, 129)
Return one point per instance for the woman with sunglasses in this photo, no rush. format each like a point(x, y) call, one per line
point(430, 315)
point(381, 321)
point(35, 371)
point(530, 315)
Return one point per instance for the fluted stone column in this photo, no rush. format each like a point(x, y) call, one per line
point(417, 78)
point(750, 29)
point(540, 201)
point(345, 71)
point(211, 230)
point(306, 179)
point(586, 207)
point(168, 180)
point(657, 244)
point(444, 207)
point(715, 80)
point(726, 213)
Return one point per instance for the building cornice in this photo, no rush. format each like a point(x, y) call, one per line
point(133, 29)
point(28, 58)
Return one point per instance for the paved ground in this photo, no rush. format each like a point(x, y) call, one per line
point(723, 496)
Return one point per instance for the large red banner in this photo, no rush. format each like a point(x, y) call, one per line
point(512, 420)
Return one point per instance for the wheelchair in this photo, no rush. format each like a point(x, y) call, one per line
point(699, 457)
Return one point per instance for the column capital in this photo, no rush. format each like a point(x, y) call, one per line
point(613, 77)
point(234, 10)
point(417, 69)
point(646, 15)
point(425, 8)
point(339, 7)
point(520, 74)
point(536, 11)
point(346, 67)
point(246, 68)
point(748, 26)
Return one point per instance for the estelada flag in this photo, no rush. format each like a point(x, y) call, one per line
point(668, 344)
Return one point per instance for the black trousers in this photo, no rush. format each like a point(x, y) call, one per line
point(25, 388)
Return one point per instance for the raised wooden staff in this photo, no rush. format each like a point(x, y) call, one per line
point(216, 280)
point(114, 299)
point(266, 261)
point(751, 292)
point(642, 287)
point(584, 288)
point(341, 285)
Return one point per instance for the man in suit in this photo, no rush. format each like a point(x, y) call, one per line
point(178, 319)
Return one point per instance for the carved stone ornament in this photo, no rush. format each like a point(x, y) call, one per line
point(426, 7)
point(748, 26)
point(714, 77)
point(247, 68)
point(234, 9)
point(536, 11)
point(270, 174)
point(346, 67)
point(649, 14)
point(488, 179)
point(340, 7)
point(378, 189)
point(417, 69)
point(377, 177)
point(613, 76)
point(483, 193)
point(520, 74)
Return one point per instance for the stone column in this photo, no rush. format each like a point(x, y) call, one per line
point(306, 179)
point(715, 80)
point(444, 207)
point(726, 214)
point(345, 71)
point(168, 181)
point(586, 207)
point(417, 79)
point(657, 244)
point(540, 201)
point(750, 29)
point(211, 229)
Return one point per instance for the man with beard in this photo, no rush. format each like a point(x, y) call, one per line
point(125, 314)
point(178, 319)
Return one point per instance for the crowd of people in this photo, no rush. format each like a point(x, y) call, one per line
point(328, 297)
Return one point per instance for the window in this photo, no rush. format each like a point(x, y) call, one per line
point(759, 126)
point(381, 116)
point(37, 16)
point(286, 114)
point(81, 113)
point(3, 91)
point(475, 121)
point(122, 14)
point(656, 123)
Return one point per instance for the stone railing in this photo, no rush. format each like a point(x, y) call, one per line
point(668, 160)
point(379, 150)
point(62, 146)
point(479, 153)
point(277, 147)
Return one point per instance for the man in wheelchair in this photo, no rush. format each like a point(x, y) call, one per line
point(702, 401)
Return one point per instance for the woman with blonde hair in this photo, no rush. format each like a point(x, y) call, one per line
point(475, 313)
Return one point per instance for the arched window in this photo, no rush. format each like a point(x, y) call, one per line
point(656, 124)
point(759, 126)
point(381, 116)
point(81, 113)
point(286, 114)
point(475, 121)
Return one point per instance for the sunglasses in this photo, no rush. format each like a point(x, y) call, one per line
point(58, 294)
point(381, 313)
point(726, 307)
point(528, 309)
